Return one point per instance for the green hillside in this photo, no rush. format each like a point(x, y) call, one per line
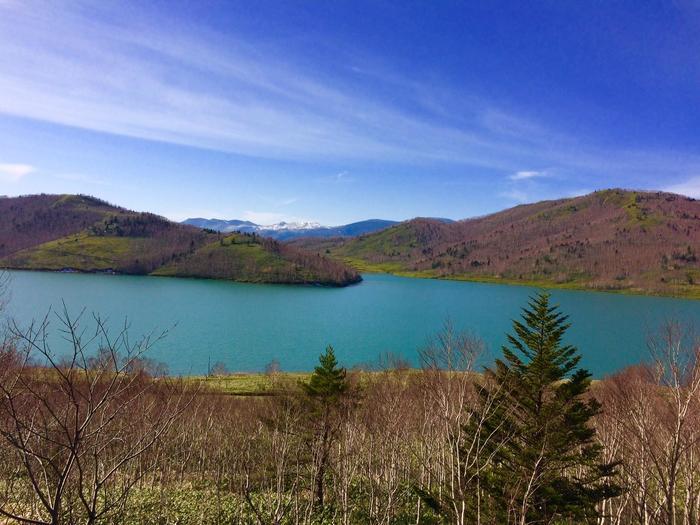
point(80, 251)
point(629, 241)
point(254, 259)
point(70, 232)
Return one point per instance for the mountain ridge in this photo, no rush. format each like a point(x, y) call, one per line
point(284, 231)
point(82, 233)
point(614, 240)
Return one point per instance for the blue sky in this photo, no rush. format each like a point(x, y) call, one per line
point(340, 111)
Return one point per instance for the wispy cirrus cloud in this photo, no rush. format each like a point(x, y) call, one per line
point(231, 96)
point(523, 186)
point(15, 172)
point(88, 66)
point(342, 177)
point(527, 174)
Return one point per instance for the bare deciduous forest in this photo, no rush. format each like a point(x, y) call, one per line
point(610, 239)
point(34, 219)
point(83, 233)
point(99, 434)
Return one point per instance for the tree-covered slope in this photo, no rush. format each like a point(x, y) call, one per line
point(612, 239)
point(251, 258)
point(30, 220)
point(53, 232)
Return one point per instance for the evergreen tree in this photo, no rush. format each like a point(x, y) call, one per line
point(325, 390)
point(328, 382)
point(545, 464)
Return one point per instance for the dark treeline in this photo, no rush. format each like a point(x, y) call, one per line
point(101, 436)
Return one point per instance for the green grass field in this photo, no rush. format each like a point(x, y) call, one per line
point(261, 384)
point(247, 384)
point(81, 251)
point(231, 258)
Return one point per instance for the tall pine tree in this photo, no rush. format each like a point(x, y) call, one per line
point(325, 390)
point(545, 465)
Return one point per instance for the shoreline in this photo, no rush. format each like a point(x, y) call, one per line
point(364, 268)
point(243, 281)
point(368, 268)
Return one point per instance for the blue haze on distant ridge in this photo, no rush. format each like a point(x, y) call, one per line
point(288, 231)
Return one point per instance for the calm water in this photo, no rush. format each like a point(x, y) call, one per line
point(246, 326)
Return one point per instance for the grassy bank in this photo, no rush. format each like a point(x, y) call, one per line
point(247, 384)
point(258, 384)
point(677, 291)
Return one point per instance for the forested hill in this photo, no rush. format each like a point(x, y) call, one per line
point(76, 232)
point(611, 239)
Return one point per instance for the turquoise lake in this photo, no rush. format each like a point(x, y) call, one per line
point(248, 325)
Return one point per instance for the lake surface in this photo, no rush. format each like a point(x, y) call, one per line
point(248, 325)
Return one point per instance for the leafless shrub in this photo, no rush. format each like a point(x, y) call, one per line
point(77, 430)
point(452, 451)
point(651, 423)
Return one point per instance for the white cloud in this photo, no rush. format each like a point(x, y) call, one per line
point(690, 187)
point(524, 175)
point(15, 172)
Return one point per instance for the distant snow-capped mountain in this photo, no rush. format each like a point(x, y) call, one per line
point(291, 230)
point(280, 226)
